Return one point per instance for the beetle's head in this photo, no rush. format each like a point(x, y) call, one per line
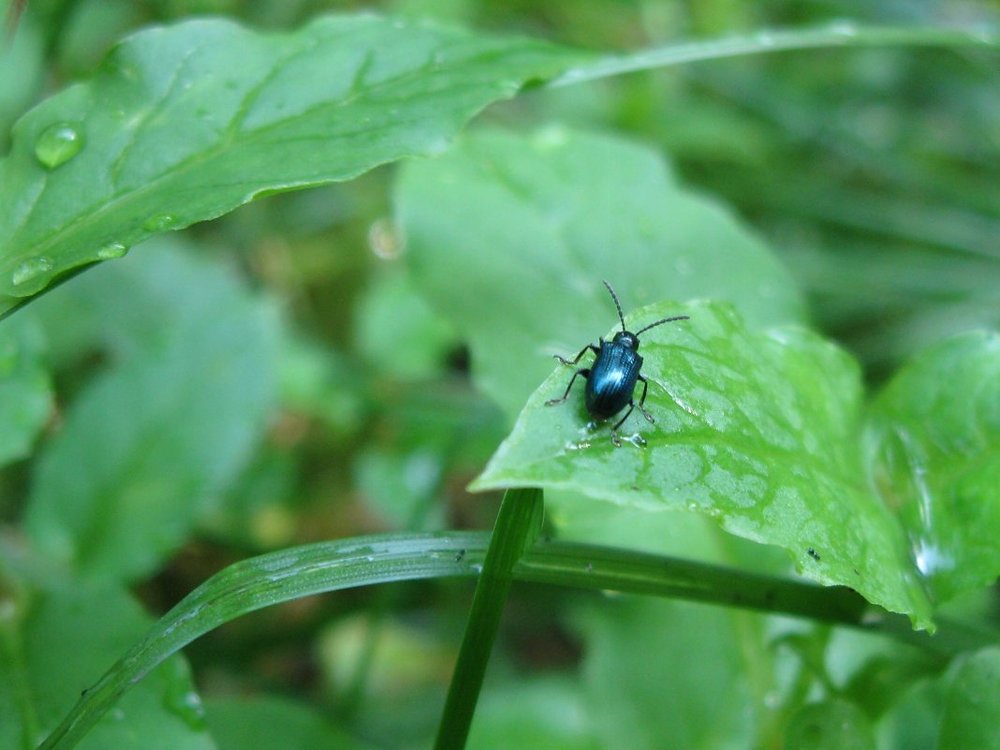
point(626, 339)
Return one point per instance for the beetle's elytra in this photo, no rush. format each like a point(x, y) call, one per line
point(612, 377)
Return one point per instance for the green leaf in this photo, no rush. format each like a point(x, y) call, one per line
point(150, 444)
point(59, 645)
point(270, 723)
point(830, 725)
point(25, 391)
point(972, 705)
point(510, 236)
point(935, 443)
point(755, 429)
point(187, 122)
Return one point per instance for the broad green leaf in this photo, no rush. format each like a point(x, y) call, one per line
point(270, 723)
point(25, 391)
point(755, 429)
point(64, 639)
point(972, 707)
point(150, 444)
point(829, 725)
point(510, 236)
point(935, 446)
point(187, 122)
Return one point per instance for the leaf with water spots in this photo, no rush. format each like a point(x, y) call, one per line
point(185, 123)
point(758, 430)
point(935, 444)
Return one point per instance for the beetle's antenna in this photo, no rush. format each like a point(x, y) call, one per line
point(663, 320)
point(617, 304)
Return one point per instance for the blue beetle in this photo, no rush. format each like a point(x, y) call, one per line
point(611, 379)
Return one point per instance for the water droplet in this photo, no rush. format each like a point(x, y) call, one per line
point(930, 558)
point(637, 440)
point(160, 223)
point(112, 250)
point(57, 144)
point(31, 270)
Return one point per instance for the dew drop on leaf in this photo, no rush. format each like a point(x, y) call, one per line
point(33, 269)
point(160, 223)
point(112, 250)
point(57, 144)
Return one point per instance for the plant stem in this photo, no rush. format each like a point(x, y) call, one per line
point(603, 568)
point(518, 520)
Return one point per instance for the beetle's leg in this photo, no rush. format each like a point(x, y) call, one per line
point(642, 400)
point(585, 371)
point(615, 438)
point(583, 351)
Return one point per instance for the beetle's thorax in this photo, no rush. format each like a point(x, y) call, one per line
point(626, 339)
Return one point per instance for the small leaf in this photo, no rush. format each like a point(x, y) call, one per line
point(935, 444)
point(25, 390)
point(756, 430)
point(510, 236)
point(184, 123)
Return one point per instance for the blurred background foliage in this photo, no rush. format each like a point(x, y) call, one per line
point(875, 175)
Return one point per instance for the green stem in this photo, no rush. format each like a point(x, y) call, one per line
point(518, 520)
point(839, 34)
point(602, 568)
